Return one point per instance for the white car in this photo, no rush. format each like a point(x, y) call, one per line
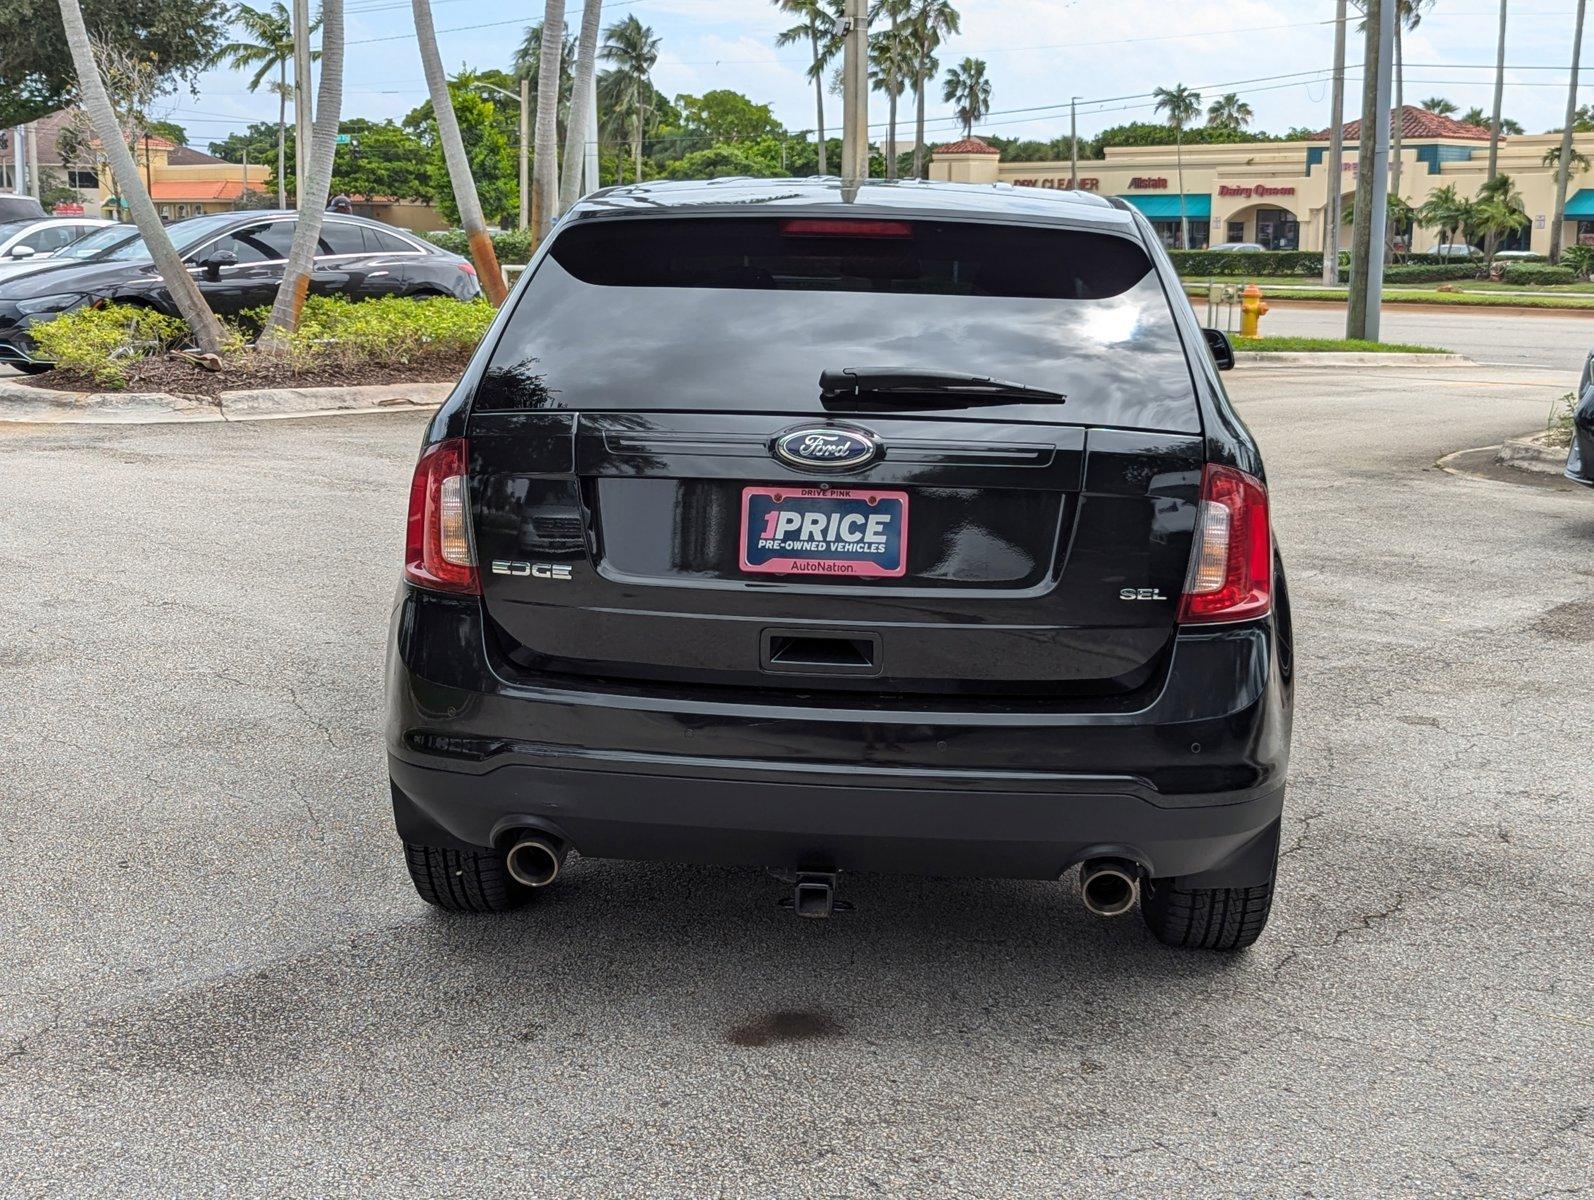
point(40, 237)
point(1456, 250)
point(91, 237)
point(1240, 247)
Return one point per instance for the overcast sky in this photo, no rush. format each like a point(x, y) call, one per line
point(1274, 53)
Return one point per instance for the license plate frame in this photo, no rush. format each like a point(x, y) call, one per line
point(840, 557)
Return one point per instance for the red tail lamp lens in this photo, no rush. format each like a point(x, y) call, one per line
point(438, 552)
point(1231, 567)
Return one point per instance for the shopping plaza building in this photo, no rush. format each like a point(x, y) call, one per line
point(1276, 193)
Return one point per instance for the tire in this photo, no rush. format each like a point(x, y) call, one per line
point(29, 368)
point(464, 881)
point(1222, 918)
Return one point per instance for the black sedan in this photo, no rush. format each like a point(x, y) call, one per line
point(237, 259)
point(1580, 460)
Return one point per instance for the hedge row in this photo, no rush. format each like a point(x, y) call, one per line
point(1431, 272)
point(511, 245)
point(1263, 263)
point(1536, 274)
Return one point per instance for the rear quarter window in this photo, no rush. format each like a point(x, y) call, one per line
point(744, 313)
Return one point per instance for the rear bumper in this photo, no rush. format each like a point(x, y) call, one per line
point(1190, 785)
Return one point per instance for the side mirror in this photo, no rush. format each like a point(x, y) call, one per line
point(21, 252)
point(218, 260)
point(1222, 350)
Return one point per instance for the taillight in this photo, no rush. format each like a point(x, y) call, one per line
point(467, 268)
point(1231, 569)
point(437, 548)
point(844, 227)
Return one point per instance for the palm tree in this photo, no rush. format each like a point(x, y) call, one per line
point(1499, 93)
point(545, 179)
point(1447, 211)
point(1552, 158)
point(1408, 15)
point(1563, 168)
point(168, 263)
point(966, 87)
point(1438, 104)
point(930, 22)
point(576, 132)
point(312, 190)
point(1229, 112)
point(460, 179)
point(271, 29)
point(891, 65)
point(1476, 116)
point(1498, 211)
point(633, 48)
point(816, 19)
point(1182, 106)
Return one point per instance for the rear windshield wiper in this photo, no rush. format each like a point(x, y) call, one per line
point(905, 383)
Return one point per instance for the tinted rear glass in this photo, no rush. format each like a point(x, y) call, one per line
point(743, 313)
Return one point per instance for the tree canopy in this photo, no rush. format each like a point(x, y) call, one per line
point(36, 74)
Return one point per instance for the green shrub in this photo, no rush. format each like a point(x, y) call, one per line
point(394, 329)
point(1193, 263)
point(1431, 272)
point(105, 343)
point(511, 245)
point(1536, 274)
point(1580, 259)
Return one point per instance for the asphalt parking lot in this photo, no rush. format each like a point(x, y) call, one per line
point(220, 983)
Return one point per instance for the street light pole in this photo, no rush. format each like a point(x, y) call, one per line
point(855, 94)
point(301, 95)
point(1333, 212)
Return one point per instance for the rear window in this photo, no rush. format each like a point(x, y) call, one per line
point(744, 313)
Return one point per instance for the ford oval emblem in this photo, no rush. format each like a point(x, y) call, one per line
point(826, 448)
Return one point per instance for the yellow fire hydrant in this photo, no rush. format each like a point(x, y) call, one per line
point(1251, 309)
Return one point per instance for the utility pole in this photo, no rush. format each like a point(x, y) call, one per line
point(855, 94)
point(301, 95)
point(525, 152)
point(18, 160)
point(1564, 169)
point(1372, 175)
point(1333, 212)
point(1073, 141)
point(1499, 90)
point(32, 130)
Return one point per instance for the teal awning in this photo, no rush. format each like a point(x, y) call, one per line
point(1581, 206)
point(1166, 208)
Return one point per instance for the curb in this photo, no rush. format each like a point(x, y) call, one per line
point(1352, 358)
point(1532, 454)
point(32, 405)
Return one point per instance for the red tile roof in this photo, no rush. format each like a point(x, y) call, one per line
point(197, 189)
point(968, 145)
point(1418, 123)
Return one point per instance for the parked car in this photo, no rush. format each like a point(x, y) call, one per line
point(19, 208)
point(905, 529)
point(1456, 250)
point(1519, 256)
point(28, 240)
point(1241, 247)
point(237, 259)
point(1580, 459)
point(93, 244)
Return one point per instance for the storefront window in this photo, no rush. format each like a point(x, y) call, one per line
point(1585, 233)
point(1169, 231)
point(1277, 229)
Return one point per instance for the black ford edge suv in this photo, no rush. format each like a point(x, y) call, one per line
point(904, 527)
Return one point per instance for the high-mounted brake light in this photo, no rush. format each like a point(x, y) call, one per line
point(1231, 567)
point(437, 547)
point(844, 227)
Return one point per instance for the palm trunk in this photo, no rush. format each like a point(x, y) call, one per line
point(919, 164)
point(545, 168)
point(819, 97)
point(636, 133)
point(173, 271)
point(282, 134)
point(314, 187)
point(891, 127)
point(1184, 221)
point(576, 132)
point(459, 176)
point(1564, 168)
point(1499, 94)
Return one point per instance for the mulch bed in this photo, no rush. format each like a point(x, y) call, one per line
point(186, 379)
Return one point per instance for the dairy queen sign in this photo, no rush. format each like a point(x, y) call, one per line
point(1258, 190)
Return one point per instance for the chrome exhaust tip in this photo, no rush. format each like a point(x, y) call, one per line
point(535, 861)
point(1110, 886)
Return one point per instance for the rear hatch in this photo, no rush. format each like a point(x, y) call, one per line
point(911, 457)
